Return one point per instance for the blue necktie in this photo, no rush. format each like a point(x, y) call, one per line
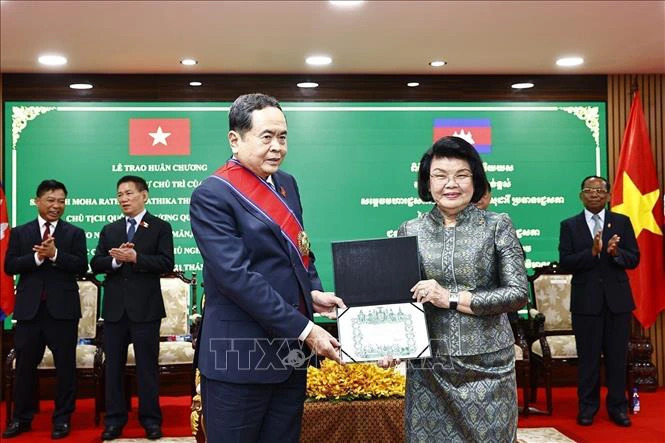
point(132, 229)
point(597, 225)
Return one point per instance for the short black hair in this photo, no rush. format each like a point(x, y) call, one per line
point(607, 184)
point(452, 147)
point(488, 186)
point(50, 185)
point(240, 112)
point(140, 183)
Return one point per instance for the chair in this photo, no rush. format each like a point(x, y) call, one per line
point(176, 353)
point(555, 344)
point(522, 364)
point(88, 349)
point(196, 416)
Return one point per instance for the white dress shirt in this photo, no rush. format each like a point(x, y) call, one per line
point(588, 215)
point(42, 228)
point(138, 218)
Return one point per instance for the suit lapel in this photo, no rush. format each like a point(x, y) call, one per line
point(35, 233)
point(607, 227)
point(141, 228)
point(582, 229)
point(280, 189)
point(269, 223)
point(287, 195)
point(118, 234)
point(60, 229)
point(290, 196)
point(274, 227)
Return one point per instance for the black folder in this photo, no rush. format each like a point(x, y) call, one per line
point(376, 272)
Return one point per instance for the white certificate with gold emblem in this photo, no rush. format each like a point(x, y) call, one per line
point(369, 333)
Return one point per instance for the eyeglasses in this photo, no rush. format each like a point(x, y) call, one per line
point(597, 191)
point(459, 178)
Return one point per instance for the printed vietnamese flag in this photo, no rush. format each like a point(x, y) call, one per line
point(6, 281)
point(477, 131)
point(636, 194)
point(159, 136)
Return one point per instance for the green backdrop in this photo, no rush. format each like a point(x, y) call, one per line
point(355, 164)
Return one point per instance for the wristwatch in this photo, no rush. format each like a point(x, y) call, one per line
point(453, 299)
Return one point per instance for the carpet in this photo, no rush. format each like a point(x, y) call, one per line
point(541, 435)
point(162, 440)
point(526, 435)
point(559, 427)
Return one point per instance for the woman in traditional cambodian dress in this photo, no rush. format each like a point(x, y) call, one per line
point(473, 275)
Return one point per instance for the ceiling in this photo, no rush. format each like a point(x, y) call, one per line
point(376, 37)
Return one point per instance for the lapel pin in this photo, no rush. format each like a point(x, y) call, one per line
point(609, 225)
point(144, 224)
point(282, 191)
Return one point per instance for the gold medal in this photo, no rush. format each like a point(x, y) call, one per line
point(303, 243)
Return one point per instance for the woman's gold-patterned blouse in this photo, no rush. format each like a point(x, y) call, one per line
point(482, 255)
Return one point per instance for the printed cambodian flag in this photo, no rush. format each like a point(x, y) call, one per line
point(477, 131)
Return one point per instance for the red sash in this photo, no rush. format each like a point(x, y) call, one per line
point(268, 203)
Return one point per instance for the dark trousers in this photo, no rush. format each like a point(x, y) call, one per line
point(254, 412)
point(607, 333)
point(30, 339)
point(145, 337)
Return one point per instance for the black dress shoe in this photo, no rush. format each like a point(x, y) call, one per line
point(584, 420)
point(60, 431)
point(15, 428)
point(153, 432)
point(620, 418)
point(111, 432)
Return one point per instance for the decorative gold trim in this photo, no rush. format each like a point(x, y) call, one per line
point(21, 115)
point(590, 116)
point(197, 407)
point(303, 243)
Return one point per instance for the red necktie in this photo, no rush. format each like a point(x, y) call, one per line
point(44, 238)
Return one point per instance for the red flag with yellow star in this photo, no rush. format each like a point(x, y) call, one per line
point(636, 194)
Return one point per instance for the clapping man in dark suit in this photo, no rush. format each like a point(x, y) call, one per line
point(48, 253)
point(133, 252)
point(597, 246)
point(261, 285)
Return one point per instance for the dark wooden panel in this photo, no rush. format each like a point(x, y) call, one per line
point(331, 87)
point(619, 99)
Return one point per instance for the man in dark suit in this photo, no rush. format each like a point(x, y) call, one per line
point(133, 252)
point(597, 246)
point(261, 285)
point(48, 254)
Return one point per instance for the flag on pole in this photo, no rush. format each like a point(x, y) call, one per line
point(6, 281)
point(636, 194)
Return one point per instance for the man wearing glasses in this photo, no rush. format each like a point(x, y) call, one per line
point(597, 246)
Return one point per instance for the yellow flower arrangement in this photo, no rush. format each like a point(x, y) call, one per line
point(359, 381)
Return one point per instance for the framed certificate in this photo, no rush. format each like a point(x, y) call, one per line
point(376, 272)
point(368, 333)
